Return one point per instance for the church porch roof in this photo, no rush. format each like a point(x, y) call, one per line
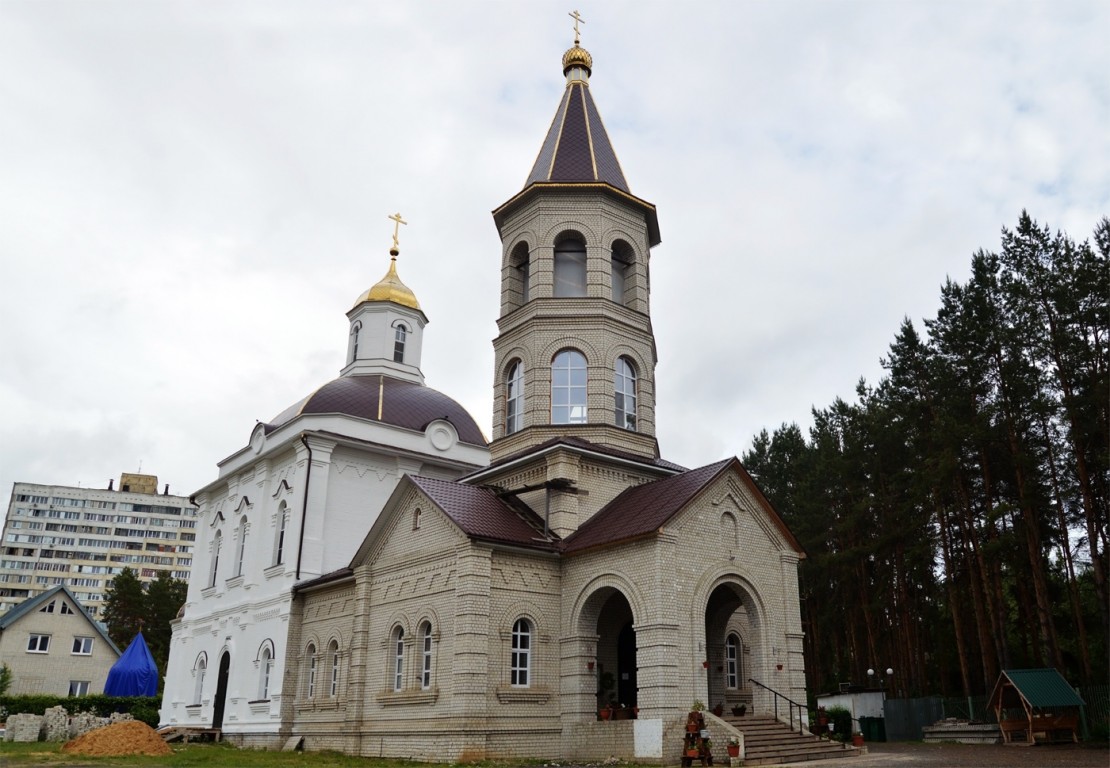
point(481, 514)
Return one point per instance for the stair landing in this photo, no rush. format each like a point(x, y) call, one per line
point(767, 741)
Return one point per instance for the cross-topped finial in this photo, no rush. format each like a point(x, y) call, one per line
point(397, 222)
point(577, 20)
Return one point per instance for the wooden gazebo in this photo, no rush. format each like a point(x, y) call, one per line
point(1035, 705)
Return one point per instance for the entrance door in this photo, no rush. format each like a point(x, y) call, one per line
point(221, 691)
point(626, 666)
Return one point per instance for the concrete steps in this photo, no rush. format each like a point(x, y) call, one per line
point(769, 742)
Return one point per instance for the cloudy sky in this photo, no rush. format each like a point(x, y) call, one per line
point(192, 194)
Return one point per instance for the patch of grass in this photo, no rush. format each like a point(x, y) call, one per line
point(189, 755)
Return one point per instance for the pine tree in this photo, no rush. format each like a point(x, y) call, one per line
point(125, 607)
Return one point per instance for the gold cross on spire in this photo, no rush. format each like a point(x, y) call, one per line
point(577, 20)
point(397, 222)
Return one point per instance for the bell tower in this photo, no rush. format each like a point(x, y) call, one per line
point(575, 354)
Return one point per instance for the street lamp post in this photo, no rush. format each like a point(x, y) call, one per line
point(882, 680)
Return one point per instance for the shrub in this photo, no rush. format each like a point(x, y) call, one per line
point(144, 708)
point(841, 719)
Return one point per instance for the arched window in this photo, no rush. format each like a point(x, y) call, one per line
point(312, 661)
point(520, 665)
point(241, 552)
point(265, 667)
point(217, 543)
point(520, 263)
point(199, 670)
point(624, 394)
point(514, 398)
point(355, 329)
point(621, 262)
point(426, 655)
point(570, 268)
point(732, 661)
point(399, 336)
point(279, 537)
point(333, 657)
point(568, 388)
point(398, 658)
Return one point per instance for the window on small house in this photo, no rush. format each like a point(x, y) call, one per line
point(514, 398)
point(78, 687)
point(38, 644)
point(65, 610)
point(520, 663)
point(48, 608)
point(570, 268)
point(82, 646)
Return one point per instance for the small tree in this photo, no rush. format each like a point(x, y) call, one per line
point(5, 679)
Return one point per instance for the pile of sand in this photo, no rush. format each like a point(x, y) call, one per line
point(130, 737)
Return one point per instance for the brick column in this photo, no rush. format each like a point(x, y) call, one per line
point(358, 691)
point(472, 671)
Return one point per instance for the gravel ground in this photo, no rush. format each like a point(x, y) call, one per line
point(920, 755)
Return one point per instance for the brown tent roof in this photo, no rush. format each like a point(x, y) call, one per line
point(642, 509)
point(482, 514)
point(405, 404)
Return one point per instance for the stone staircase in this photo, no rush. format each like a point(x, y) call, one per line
point(769, 742)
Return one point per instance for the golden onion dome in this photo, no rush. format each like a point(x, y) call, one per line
point(578, 57)
point(390, 288)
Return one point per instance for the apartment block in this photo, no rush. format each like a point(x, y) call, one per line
point(80, 538)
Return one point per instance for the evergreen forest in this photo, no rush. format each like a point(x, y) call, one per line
point(954, 514)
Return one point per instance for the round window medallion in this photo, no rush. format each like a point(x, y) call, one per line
point(441, 435)
point(258, 438)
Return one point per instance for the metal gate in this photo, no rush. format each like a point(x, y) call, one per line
point(906, 717)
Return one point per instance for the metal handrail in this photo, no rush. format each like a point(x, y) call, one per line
point(790, 702)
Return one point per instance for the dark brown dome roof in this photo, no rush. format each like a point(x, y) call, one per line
point(405, 404)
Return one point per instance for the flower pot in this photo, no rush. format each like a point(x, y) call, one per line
point(691, 727)
point(857, 739)
point(733, 750)
point(691, 753)
point(605, 713)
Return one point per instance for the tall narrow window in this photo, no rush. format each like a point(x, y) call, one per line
point(217, 543)
point(198, 674)
point(519, 262)
point(279, 544)
point(426, 655)
point(570, 269)
point(568, 388)
point(398, 658)
point(399, 336)
point(265, 667)
point(333, 656)
point(312, 660)
point(514, 398)
point(732, 659)
point(242, 550)
point(520, 664)
point(355, 329)
point(624, 394)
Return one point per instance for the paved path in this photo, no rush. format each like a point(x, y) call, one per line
point(920, 755)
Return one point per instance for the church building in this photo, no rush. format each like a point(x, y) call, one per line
point(408, 594)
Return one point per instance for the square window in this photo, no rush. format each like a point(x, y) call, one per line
point(78, 687)
point(82, 646)
point(38, 644)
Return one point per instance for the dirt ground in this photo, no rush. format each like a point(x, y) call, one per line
point(126, 738)
point(920, 755)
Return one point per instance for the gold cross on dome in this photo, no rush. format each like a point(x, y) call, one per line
point(577, 20)
point(397, 222)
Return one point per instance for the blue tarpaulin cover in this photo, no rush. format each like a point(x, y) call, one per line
point(135, 674)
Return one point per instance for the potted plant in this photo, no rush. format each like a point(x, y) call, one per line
point(857, 739)
point(738, 710)
point(733, 746)
point(719, 709)
point(697, 706)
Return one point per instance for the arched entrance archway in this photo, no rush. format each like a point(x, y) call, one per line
point(733, 645)
point(221, 691)
point(607, 616)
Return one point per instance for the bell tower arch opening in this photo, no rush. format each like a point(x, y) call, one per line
point(732, 643)
point(608, 617)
